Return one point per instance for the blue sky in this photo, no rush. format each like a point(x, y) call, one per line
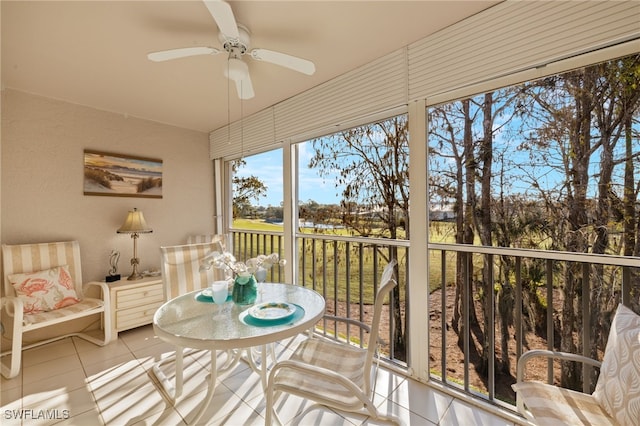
point(268, 168)
point(520, 169)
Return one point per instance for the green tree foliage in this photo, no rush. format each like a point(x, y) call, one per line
point(245, 189)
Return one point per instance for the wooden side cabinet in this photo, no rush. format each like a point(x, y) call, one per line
point(133, 303)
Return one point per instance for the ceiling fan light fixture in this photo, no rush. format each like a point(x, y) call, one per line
point(237, 69)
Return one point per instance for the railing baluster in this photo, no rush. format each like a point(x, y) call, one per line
point(303, 262)
point(347, 250)
point(324, 275)
point(443, 315)
point(392, 317)
point(361, 287)
point(375, 269)
point(335, 284)
point(518, 318)
point(313, 264)
point(491, 332)
point(407, 296)
point(281, 253)
point(550, 342)
point(586, 327)
point(626, 286)
point(467, 273)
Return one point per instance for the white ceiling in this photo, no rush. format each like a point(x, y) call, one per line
point(93, 53)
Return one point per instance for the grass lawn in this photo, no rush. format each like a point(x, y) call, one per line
point(330, 269)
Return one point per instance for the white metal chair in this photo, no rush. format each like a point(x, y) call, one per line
point(181, 273)
point(616, 399)
point(39, 258)
point(333, 374)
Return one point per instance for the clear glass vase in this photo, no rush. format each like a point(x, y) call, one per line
point(245, 290)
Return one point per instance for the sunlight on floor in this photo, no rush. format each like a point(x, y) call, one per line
point(73, 382)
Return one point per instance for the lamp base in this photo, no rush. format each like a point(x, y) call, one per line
point(134, 262)
point(135, 276)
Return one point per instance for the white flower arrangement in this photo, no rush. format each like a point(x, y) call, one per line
point(264, 262)
point(225, 260)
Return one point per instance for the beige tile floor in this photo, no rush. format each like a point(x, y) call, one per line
point(72, 382)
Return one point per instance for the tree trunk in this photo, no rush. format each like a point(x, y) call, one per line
point(469, 203)
point(400, 344)
point(578, 178)
point(485, 226)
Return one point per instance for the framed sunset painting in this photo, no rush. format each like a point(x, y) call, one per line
point(122, 175)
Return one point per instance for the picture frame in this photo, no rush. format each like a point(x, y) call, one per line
point(120, 175)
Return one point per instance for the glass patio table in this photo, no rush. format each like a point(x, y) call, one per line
point(192, 321)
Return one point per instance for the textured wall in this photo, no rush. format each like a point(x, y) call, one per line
point(43, 141)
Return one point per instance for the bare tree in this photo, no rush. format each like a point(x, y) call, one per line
point(581, 116)
point(373, 163)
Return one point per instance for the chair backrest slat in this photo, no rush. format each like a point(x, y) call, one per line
point(23, 258)
point(181, 268)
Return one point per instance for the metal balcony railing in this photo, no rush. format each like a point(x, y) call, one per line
point(487, 305)
point(525, 311)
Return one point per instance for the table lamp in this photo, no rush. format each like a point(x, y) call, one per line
point(134, 224)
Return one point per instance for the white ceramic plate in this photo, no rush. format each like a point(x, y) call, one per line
point(207, 292)
point(272, 310)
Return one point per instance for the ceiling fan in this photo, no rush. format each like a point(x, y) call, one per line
point(235, 41)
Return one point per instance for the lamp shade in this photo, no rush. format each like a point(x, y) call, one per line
point(134, 224)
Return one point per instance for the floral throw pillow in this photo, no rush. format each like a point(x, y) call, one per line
point(44, 291)
point(618, 387)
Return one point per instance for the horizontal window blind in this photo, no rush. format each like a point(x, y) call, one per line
point(381, 84)
point(482, 52)
point(361, 92)
point(249, 135)
point(513, 36)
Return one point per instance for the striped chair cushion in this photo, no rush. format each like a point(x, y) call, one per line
point(24, 258)
point(62, 313)
point(552, 405)
point(343, 359)
point(181, 268)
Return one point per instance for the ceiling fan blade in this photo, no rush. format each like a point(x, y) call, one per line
point(165, 55)
point(284, 60)
point(245, 88)
point(223, 15)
